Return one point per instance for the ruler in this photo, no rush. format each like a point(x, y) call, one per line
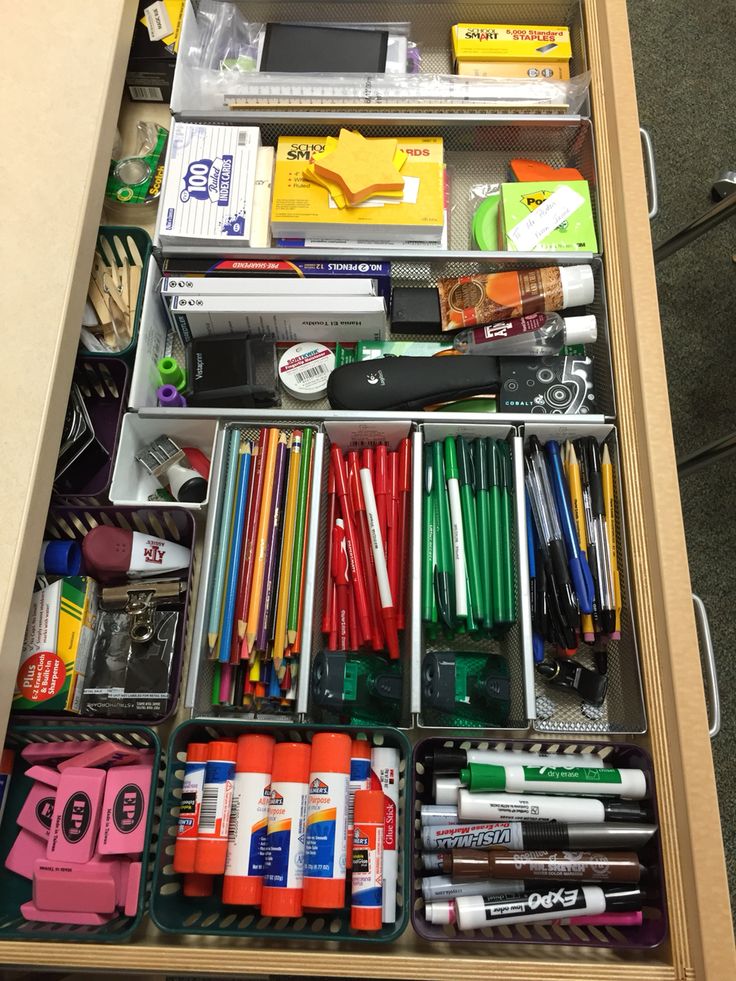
point(419, 92)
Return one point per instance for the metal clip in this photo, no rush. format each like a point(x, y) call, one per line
point(140, 601)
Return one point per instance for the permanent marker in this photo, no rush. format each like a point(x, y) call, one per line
point(480, 777)
point(449, 760)
point(436, 888)
point(581, 866)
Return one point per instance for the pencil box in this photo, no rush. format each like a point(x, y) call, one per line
point(15, 889)
point(172, 912)
point(653, 930)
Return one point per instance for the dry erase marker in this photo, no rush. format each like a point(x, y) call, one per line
point(327, 821)
point(214, 814)
point(283, 872)
point(481, 777)
point(433, 814)
point(473, 863)
point(473, 912)
point(189, 806)
point(246, 850)
point(446, 789)
point(439, 887)
point(537, 807)
point(448, 760)
point(385, 777)
point(535, 834)
point(367, 861)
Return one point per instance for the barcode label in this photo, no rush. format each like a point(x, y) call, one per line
point(208, 810)
point(146, 93)
point(351, 808)
point(234, 811)
point(316, 371)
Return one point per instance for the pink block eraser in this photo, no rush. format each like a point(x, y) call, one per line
point(38, 809)
point(133, 888)
point(76, 819)
point(124, 809)
point(32, 912)
point(24, 852)
point(44, 774)
point(122, 880)
point(43, 752)
point(73, 888)
point(103, 754)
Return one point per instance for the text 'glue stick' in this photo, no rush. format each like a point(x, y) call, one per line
point(246, 851)
point(327, 821)
point(385, 777)
point(214, 814)
point(283, 870)
point(189, 806)
point(367, 861)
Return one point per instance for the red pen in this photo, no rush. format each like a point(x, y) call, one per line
point(393, 559)
point(380, 482)
point(332, 635)
point(386, 601)
point(404, 488)
point(358, 504)
point(340, 575)
point(327, 607)
point(353, 622)
point(357, 573)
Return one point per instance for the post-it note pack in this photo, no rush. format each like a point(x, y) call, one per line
point(547, 216)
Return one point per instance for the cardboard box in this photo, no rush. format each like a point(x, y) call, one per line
point(547, 216)
point(150, 73)
point(550, 71)
point(510, 42)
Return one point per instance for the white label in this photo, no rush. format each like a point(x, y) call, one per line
point(558, 207)
point(157, 20)
point(248, 821)
point(287, 825)
point(146, 93)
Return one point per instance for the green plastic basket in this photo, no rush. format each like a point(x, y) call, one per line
point(172, 912)
point(143, 241)
point(16, 890)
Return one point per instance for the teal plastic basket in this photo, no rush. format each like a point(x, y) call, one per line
point(143, 241)
point(173, 912)
point(16, 890)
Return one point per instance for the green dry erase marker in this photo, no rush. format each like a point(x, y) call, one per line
point(428, 542)
point(495, 477)
point(470, 527)
point(507, 504)
point(596, 781)
point(443, 573)
point(483, 511)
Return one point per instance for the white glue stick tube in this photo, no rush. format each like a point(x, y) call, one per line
point(385, 777)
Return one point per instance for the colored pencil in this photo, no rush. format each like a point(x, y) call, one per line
point(236, 543)
point(261, 543)
point(327, 605)
point(296, 644)
point(287, 550)
point(299, 534)
point(222, 553)
point(272, 547)
point(251, 526)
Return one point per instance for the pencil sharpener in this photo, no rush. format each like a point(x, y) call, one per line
point(474, 686)
point(367, 686)
point(573, 676)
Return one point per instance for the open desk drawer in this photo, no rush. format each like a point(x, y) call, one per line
point(700, 935)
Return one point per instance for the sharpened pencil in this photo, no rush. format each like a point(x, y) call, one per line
point(218, 583)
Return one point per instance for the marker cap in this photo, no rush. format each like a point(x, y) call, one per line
point(626, 810)
point(368, 809)
point(440, 913)
point(446, 790)
point(197, 884)
point(578, 287)
point(581, 330)
point(360, 749)
point(483, 776)
point(623, 898)
point(60, 558)
point(254, 753)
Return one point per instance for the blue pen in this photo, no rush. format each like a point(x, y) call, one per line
point(233, 568)
point(537, 638)
point(575, 558)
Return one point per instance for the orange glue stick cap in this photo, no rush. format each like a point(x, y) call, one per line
point(198, 885)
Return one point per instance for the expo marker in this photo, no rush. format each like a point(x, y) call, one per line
point(327, 821)
point(597, 781)
point(449, 760)
point(185, 847)
point(283, 870)
point(537, 807)
point(214, 814)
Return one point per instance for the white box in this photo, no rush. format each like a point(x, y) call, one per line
point(173, 285)
point(340, 318)
point(209, 182)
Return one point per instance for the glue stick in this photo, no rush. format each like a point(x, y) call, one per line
point(367, 861)
point(327, 821)
point(385, 777)
point(189, 806)
point(197, 885)
point(283, 869)
point(214, 814)
point(360, 779)
point(246, 850)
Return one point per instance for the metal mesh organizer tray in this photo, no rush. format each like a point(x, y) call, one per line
point(653, 930)
point(174, 913)
point(15, 890)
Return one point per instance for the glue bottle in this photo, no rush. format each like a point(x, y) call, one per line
point(360, 779)
point(367, 861)
point(191, 800)
point(327, 821)
point(283, 868)
point(535, 335)
point(246, 849)
point(214, 814)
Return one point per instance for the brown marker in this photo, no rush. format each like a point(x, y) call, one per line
point(471, 863)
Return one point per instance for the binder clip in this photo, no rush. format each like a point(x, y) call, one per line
point(140, 601)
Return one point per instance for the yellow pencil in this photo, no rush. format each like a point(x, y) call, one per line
point(287, 548)
point(608, 500)
point(261, 544)
point(576, 498)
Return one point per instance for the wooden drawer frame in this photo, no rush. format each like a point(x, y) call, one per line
point(44, 333)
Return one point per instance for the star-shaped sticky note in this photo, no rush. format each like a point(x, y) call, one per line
point(361, 167)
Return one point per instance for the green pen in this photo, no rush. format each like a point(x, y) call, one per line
point(466, 476)
point(443, 572)
point(495, 479)
point(483, 509)
point(507, 505)
point(428, 542)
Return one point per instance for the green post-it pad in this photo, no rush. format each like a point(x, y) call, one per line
point(547, 216)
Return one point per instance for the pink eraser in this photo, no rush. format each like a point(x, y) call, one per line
point(43, 752)
point(38, 809)
point(24, 852)
point(103, 754)
point(76, 819)
point(73, 888)
point(32, 912)
point(123, 873)
point(133, 888)
point(123, 823)
point(44, 774)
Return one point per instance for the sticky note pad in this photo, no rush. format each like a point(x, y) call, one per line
point(547, 216)
point(124, 810)
point(38, 809)
point(76, 819)
point(361, 167)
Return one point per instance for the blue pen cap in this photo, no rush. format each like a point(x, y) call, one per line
point(60, 559)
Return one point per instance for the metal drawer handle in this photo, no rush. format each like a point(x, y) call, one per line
point(709, 666)
point(650, 173)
